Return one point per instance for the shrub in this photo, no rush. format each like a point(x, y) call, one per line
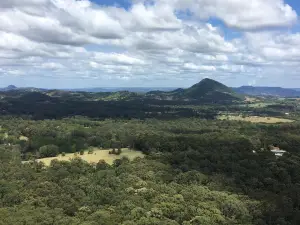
point(119, 151)
point(102, 165)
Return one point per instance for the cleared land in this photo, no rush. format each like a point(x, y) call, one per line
point(259, 105)
point(97, 155)
point(251, 99)
point(255, 119)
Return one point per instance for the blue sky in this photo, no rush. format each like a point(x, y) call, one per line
point(143, 43)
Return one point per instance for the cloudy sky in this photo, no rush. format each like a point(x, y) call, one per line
point(151, 43)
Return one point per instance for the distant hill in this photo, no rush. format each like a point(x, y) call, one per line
point(207, 90)
point(268, 91)
point(28, 89)
point(92, 90)
point(296, 89)
point(118, 89)
point(8, 88)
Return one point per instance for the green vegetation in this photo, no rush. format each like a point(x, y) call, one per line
point(160, 158)
point(144, 191)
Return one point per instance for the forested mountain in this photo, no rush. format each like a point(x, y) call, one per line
point(207, 90)
point(210, 89)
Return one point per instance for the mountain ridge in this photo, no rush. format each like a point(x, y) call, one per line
point(204, 87)
point(268, 91)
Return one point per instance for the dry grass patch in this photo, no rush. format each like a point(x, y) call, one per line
point(97, 155)
point(255, 119)
point(260, 105)
point(23, 138)
point(251, 99)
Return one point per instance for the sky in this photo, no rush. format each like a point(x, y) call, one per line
point(149, 43)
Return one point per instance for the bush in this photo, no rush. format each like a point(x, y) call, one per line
point(63, 154)
point(91, 151)
point(102, 165)
point(114, 152)
point(119, 151)
point(81, 152)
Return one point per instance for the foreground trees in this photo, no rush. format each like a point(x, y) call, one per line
point(196, 172)
point(141, 192)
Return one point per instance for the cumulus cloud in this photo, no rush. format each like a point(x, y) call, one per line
point(142, 17)
point(275, 46)
point(241, 14)
point(59, 21)
point(155, 40)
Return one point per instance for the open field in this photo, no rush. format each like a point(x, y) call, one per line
point(255, 119)
point(260, 104)
point(97, 155)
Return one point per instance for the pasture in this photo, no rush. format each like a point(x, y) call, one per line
point(255, 119)
point(98, 154)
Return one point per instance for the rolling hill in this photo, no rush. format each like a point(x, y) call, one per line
point(268, 91)
point(207, 90)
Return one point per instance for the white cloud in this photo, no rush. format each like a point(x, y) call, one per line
point(140, 17)
point(191, 38)
point(52, 66)
point(160, 40)
point(274, 46)
point(192, 66)
point(60, 22)
point(15, 72)
point(240, 13)
point(117, 58)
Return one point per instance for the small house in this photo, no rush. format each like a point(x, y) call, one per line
point(277, 151)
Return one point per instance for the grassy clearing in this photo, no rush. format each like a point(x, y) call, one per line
point(255, 119)
point(251, 99)
point(23, 138)
point(97, 155)
point(260, 105)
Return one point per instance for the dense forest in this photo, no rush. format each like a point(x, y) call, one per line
point(196, 170)
point(230, 183)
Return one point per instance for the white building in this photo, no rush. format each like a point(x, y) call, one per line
point(278, 152)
